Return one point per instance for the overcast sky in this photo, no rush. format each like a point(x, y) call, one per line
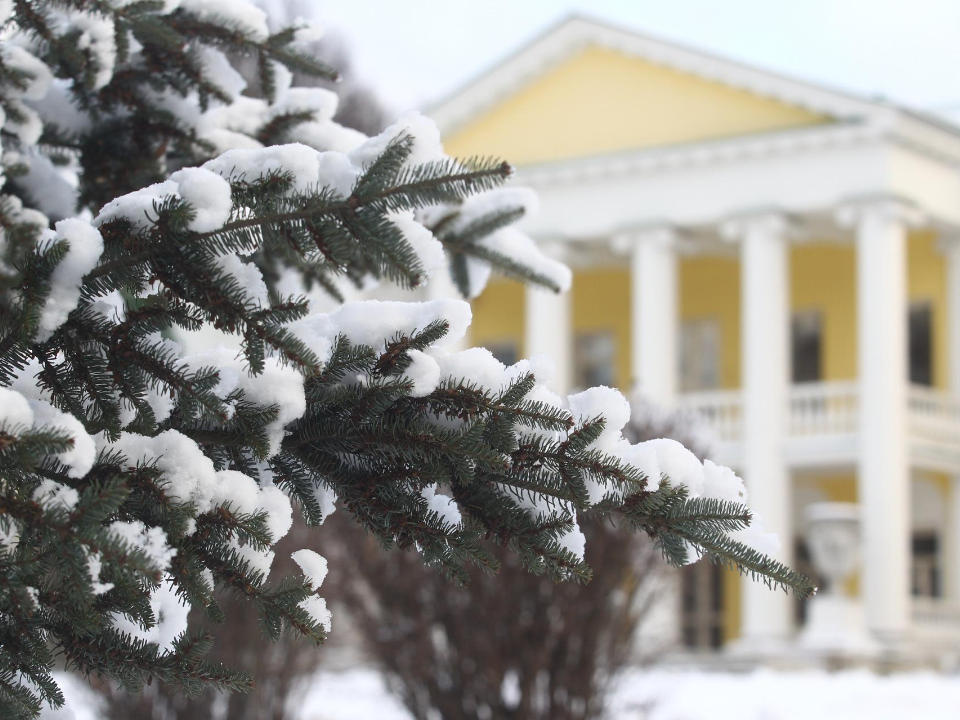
point(415, 51)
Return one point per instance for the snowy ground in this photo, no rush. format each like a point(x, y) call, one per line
point(688, 695)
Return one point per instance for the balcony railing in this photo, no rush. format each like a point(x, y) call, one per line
point(936, 618)
point(722, 410)
point(830, 410)
point(823, 408)
point(934, 415)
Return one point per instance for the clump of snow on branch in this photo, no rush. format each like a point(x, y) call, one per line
point(507, 241)
point(21, 407)
point(243, 16)
point(84, 248)
point(207, 193)
point(314, 568)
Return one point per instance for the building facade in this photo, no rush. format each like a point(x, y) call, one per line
point(782, 259)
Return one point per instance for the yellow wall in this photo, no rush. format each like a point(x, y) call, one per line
point(927, 281)
point(710, 290)
point(602, 101)
point(823, 279)
point(498, 314)
point(601, 303)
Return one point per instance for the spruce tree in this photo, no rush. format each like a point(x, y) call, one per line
point(146, 195)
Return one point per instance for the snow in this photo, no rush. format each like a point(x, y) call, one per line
point(217, 69)
point(28, 128)
point(259, 560)
point(373, 322)
point(81, 702)
point(360, 693)
point(313, 565)
point(239, 14)
point(249, 164)
point(429, 250)
point(97, 36)
point(78, 459)
point(316, 608)
point(326, 499)
point(679, 464)
point(152, 541)
point(509, 241)
point(327, 136)
point(520, 247)
point(39, 74)
point(188, 473)
point(766, 695)
point(170, 613)
point(278, 385)
point(574, 541)
point(85, 247)
point(444, 505)
point(423, 372)
point(248, 277)
point(209, 196)
point(206, 192)
point(53, 495)
point(319, 101)
point(282, 78)
point(245, 496)
point(15, 410)
point(94, 567)
point(722, 483)
point(58, 107)
point(51, 188)
point(279, 511)
point(613, 406)
point(424, 132)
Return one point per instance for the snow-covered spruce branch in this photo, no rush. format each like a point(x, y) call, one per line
point(138, 481)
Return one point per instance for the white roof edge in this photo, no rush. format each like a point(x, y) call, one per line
point(906, 131)
point(576, 32)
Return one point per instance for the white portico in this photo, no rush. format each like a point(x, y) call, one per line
point(866, 178)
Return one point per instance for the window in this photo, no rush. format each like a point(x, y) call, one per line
point(701, 614)
point(506, 351)
point(921, 343)
point(594, 358)
point(805, 341)
point(699, 355)
point(925, 570)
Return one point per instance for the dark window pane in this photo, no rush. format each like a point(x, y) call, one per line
point(702, 605)
point(505, 351)
point(595, 359)
point(806, 341)
point(921, 344)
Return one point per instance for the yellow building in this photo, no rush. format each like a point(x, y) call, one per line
point(775, 256)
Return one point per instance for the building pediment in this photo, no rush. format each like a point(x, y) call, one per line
point(586, 89)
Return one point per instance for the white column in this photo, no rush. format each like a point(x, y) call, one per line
point(653, 311)
point(950, 247)
point(766, 616)
point(883, 465)
point(548, 329)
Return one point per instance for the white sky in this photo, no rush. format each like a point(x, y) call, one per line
point(416, 51)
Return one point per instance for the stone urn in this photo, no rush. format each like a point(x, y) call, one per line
point(835, 624)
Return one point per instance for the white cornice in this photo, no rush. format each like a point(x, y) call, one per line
point(576, 33)
point(688, 155)
point(901, 131)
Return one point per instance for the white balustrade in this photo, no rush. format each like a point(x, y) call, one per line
point(721, 410)
point(934, 415)
point(831, 409)
point(827, 408)
point(935, 615)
